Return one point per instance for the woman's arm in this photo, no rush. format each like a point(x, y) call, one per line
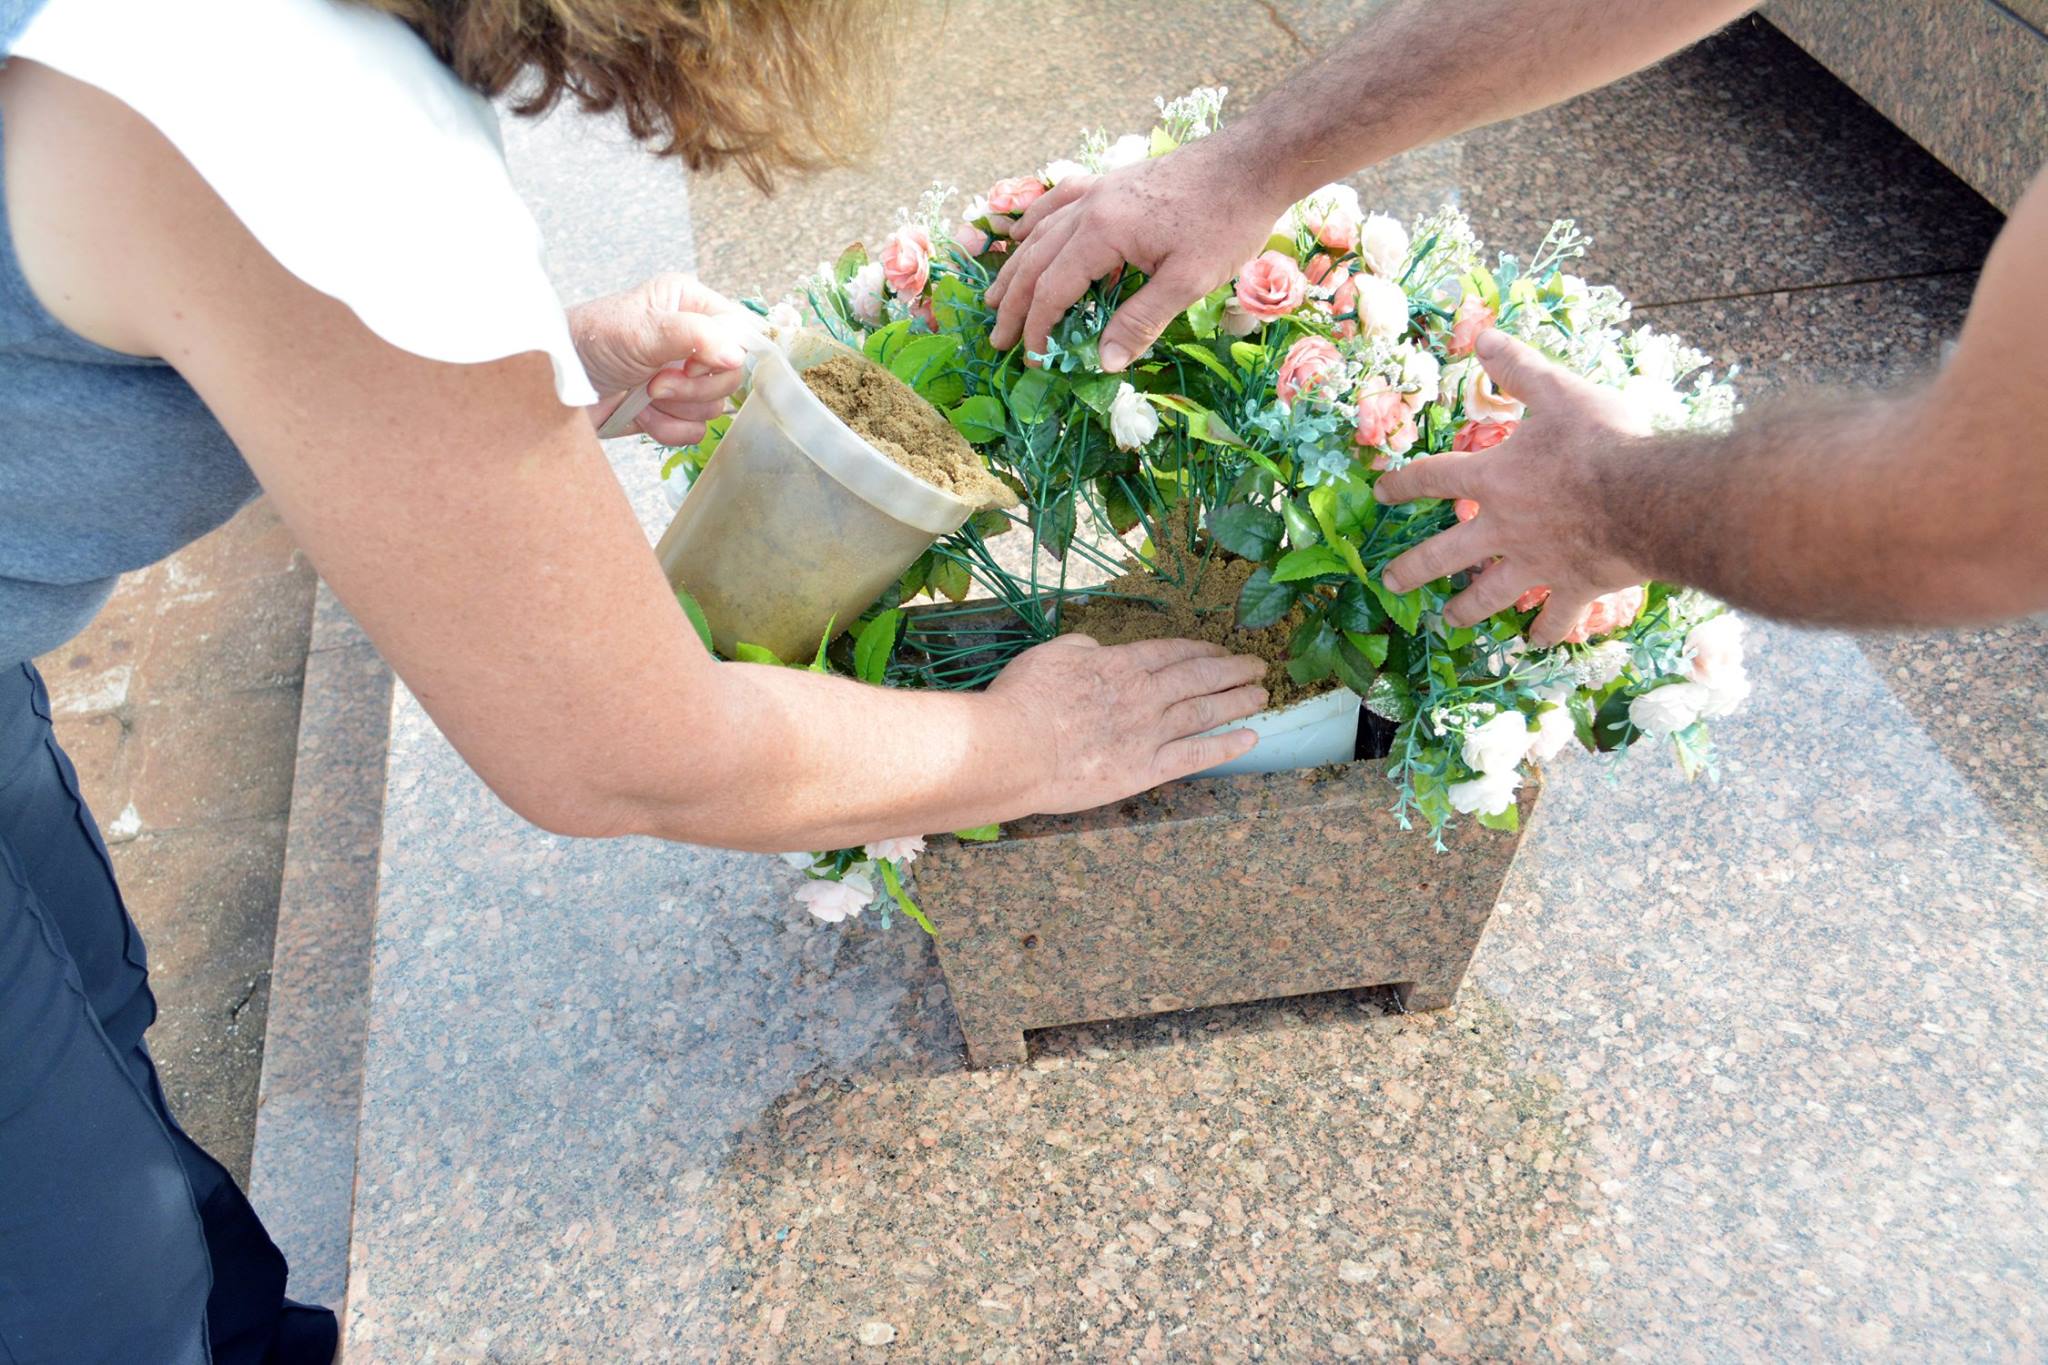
point(470, 522)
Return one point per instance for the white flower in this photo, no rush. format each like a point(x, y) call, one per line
point(1422, 373)
point(1062, 169)
point(1601, 664)
point(1666, 710)
point(1498, 745)
point(1489, 794)
point(798, 860)
point(784, 317)
point(1236, 321)
point(835, 901)
point(1127, 150)
point(1132, 420)
point(864, 293)
point(1382, 307)
point(904, 849)
point(1554, 730)
point(977, 207)
point(1500, 662)
point(1382, 244)
point(1655, 402)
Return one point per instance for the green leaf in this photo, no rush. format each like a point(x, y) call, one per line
point(1373, 647)
point(1390, 698)
point(1262, 602)
point(1322, 502)
point(956, 305)
point(1207, 313)
point(980, 834)
point(1313, 562)
point(849, 263)
point(818, 665)
point(980, 419)
point(753, 654)
point(884, 341)
point(873, 646)
point(1055, 524)
point(1301, 526)
point(1117, 503)
point(1315, 652)
point(1098, 391)
point(1162, 143)
point(1031, 396)
point(1247, 531)
point(696, 615)
point(1207, 358)
point(1355, 668)
point(1356, 609)
point(1405, 609)
point(921, 363)
point(950, 578)
point(903, 901)
point(1249, 355)
point(1509, 820)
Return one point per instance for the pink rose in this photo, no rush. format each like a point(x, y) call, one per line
point(1384, 419)
point(1716, 650)
point(921, 309)
point(1308, 362)
point(1608, 613)
point(1473, 318)
point(1477, 436)
point(972, 239)
point(1533, 598)
point(906, 259)
point(1271, 286)
point(1466, 509)
point(1344, 301)
point(1324, 271)
point(1014, 194)
point(1332, 222)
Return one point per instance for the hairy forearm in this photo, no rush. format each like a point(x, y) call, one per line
point(1357, 106)
point(1854, 510)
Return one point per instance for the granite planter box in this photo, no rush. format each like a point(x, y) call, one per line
point(1210, 891)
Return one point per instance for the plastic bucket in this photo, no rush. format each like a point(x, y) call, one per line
point(796, 523)
point(1322, 729)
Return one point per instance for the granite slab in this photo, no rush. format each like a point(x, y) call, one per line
point(1214, 891)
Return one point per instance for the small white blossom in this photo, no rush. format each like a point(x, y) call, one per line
point(798, 860)
point(903, 849)
point(1488, 794)
point(1656, 403)
point(1382, 307)
point(1063, 169)
point(1601, 664)
point(1422, 376)
point(864, 294)
point(1554, 730)
point(832, 901)
point(1382, 244)
point(1666, 710)
point(1127, 150)
point(1132, 420)
point(1498, 745)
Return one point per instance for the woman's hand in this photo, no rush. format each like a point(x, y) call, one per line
point(672, 325)
point(1110, 721)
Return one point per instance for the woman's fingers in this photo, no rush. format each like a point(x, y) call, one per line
point(671, 386)
point(670, 431)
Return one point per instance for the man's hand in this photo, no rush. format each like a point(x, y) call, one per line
point(1185, 219)
point(672, 324)
point(1542, 519)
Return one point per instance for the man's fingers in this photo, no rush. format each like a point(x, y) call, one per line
point(1144, 315)
point(1451, 475)
point(1444, 553)
point(712, 339)
point(1051, 202)
point(1209, 674)
point(1495, 590)
point(1196, 752)
point(1518, 369)
point(1064, 281)
point(1560, 617)
point(1019, 280)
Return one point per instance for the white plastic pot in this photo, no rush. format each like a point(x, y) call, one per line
point(1322, 729)
point(796, 522)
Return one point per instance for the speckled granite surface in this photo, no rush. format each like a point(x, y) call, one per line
point(1217, 891)
point(1967, 78)
point(1739, 1071)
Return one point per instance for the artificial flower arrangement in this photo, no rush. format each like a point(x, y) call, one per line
point(1258, 424)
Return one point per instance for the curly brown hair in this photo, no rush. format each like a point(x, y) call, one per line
point(765, 86)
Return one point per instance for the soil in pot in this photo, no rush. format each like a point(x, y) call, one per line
point(890, 416)
point(1197, 600)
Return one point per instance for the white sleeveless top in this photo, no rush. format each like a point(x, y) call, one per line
point(347, 149)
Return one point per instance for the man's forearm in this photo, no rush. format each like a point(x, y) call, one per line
point(1866, 510)
point(1356, 106)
